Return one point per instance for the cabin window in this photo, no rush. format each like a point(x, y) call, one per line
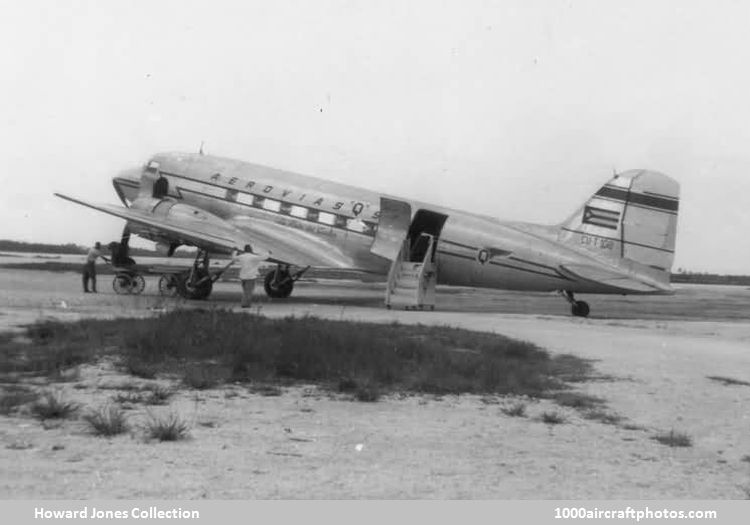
point(244, 198)
point(285, 208)
point(326, 218)
point(313, 215)
point(298, 211)
point(271, 205)
point(340, 221)
point(258, 201)
point(356, 225)
point(232, 195)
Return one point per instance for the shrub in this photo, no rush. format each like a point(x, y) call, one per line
point(169, 427)
point(515, 410)
point(54, 406)
point(552, 418)
point(107, 420)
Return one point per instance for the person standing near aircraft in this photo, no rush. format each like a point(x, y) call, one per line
point(249, 263)
point(89, 267)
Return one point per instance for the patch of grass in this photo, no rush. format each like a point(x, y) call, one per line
point(577, 400)
point(347, 384)
point(367, 393)
point(728, 381)
point(158, 395)
point(107, 420)
point(15, 396)
point(203, 377)
point(517, 409)
point(54, 406)
point(209, 347)
point(552, 418)
point(266, 390)
point(139, 367)
point(168, 427)
point(608, 418)
point(674, 439)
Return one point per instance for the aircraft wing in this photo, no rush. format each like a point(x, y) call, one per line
point(196, 227)
point(611, 277)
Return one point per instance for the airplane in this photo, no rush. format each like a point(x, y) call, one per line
point(620, 241)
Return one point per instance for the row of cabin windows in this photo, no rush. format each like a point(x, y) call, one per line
point(160, 190)
point(300, 212)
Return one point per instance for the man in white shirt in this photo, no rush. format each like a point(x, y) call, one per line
point(249, 263)
point(89, 267)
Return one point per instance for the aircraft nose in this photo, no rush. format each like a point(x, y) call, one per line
point(127, 184)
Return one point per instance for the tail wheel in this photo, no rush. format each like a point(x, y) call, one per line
point(580, 309)
point(190, 291)
point(278, 286)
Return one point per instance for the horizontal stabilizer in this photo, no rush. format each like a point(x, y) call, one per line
point(613, 278)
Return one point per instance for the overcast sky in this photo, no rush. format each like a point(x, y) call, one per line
point(515, 109)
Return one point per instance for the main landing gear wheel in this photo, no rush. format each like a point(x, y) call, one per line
point(198, 287)
point(580, 309)
point(168, 285)
point(278, 284)
point(577, 308)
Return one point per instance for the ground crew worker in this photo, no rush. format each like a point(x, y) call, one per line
point(89, 267)
point(249, 263)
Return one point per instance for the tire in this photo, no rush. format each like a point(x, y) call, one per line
point(168, 285)
point(580, 309)
point(122, 284)
point(137, 284)
point(277, 291)
point(200, 292)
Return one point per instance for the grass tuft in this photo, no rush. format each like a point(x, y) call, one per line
point(107, 420)
point(674, 439)
point(608, 418)
point(577, 400)
point(517, 409)
point(168, 427)
point(552, 418)
point(54, 406)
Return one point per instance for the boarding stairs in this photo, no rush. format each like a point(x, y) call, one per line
point(413, 276)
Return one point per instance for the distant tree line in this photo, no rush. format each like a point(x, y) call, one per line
point(709, 278)
point(72, 249)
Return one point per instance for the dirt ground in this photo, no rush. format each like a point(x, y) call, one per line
point(654, 355)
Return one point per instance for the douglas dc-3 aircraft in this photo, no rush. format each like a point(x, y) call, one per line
point(621, 241)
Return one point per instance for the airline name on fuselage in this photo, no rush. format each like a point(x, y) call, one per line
point(287, 195)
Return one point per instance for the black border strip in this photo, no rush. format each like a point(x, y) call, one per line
point(651, 201)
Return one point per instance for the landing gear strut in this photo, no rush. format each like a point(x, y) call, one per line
point(279, 283)
point(196, 283)
point(577, 308)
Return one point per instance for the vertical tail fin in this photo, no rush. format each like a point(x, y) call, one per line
point(632, 218)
